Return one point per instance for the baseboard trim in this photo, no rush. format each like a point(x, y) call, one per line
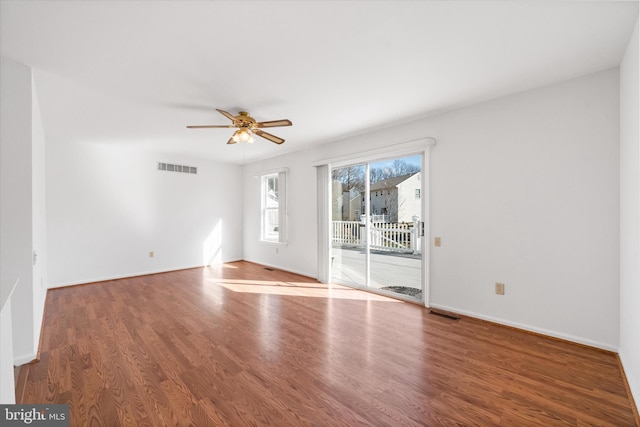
point(531, 329)
point(627, 386)
point(25, 358)
point(21, 381)
point(132, 275)
point(24, 364)
point(44, 315)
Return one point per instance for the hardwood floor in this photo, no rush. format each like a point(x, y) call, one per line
point(240, 345)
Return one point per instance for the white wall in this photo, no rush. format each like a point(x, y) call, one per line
point(300, 253)
point(7, 390)
point(630, 216)
point(16, 204)
point(108, 206)
point(16, 234)
point(39, 219)
point(524, 190)
point(22, 224)
point(15, 174)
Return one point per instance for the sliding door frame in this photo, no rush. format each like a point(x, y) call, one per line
point(417, 147)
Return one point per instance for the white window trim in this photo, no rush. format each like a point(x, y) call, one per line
point(283, 213)
point(391, 151)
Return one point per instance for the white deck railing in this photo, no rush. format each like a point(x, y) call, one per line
point(348, 233)
point(396, 237)
point(391, 237)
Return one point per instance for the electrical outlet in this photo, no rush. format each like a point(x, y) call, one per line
point(437, 242)
point(499, 288)
point(151, 254)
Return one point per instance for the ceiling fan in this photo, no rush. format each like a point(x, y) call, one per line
point(247, 127)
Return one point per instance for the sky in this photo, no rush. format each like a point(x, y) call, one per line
point(412, 160)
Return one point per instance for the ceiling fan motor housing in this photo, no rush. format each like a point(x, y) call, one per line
point(244, 120)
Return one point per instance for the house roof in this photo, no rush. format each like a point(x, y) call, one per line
point(390, 182)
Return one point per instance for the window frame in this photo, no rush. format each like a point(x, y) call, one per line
point(279, 237)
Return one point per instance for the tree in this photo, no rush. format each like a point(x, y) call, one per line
point(398, 168)
point(352, 176)
point(377, 174)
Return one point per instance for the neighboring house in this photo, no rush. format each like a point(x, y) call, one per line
point(346, 206)
point(409, 198)
point(397, 198)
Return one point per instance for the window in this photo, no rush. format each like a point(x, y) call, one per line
point(273, 215)
point(417, 193)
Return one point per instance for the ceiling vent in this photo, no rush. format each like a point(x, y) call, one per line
point(170, 167)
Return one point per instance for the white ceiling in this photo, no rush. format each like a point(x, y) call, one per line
point(125, 72)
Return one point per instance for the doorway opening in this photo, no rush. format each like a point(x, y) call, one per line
point(377, 226)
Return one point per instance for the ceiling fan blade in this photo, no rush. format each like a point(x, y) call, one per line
point(227, 115)
point(274, 123)
point(210, 126)
point(268, 136)
point(231, 140)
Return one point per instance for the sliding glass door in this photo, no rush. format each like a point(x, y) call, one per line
point(348, 256)
point(376, 226)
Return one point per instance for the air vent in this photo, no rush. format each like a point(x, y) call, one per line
point(170, 167)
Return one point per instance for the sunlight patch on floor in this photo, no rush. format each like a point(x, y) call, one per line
point(304, 289)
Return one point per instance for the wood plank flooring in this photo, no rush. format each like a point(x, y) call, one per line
point(239, 345)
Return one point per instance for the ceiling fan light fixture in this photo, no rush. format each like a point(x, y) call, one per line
point(243, 135)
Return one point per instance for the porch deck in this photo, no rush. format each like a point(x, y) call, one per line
point(387, 268)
